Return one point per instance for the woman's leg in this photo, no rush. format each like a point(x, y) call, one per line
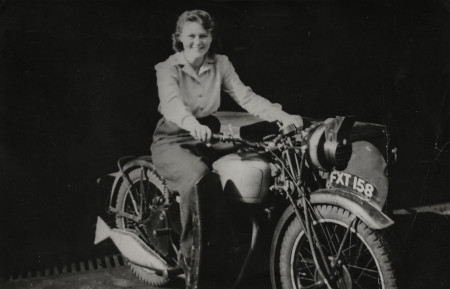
point(184, 163)
point(182, 169)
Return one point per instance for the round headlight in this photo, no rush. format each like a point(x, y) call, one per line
point(330, 146)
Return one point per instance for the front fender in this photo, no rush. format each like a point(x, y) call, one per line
point(355, 204)
point(131, 162)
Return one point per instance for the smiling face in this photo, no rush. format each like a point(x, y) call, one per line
point(196, 40)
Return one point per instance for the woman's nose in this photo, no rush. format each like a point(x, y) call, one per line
point(197, 40)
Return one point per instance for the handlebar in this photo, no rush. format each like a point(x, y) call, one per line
point(216, 137)
point(272, 144)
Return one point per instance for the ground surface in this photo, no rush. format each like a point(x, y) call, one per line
point(422, 244)
point(112, 278)
point(99, 279)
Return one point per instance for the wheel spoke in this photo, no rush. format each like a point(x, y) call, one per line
point(371, 276)
point(134, 203)
point(305, 262)
point(357, 284)
point(315, 217)
point(307, 279)
point(349, 248)
point(344, 239)
point(329, 237)
point(307, 267)
point(365, 268)
point(332, 250)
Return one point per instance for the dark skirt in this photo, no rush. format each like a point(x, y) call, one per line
point(182, 161)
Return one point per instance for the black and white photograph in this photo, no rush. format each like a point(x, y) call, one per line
point(225, 144)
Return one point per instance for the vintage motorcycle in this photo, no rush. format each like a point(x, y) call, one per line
point(307, 204)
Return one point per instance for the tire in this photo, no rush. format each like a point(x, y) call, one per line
point(153, 186)
point(365, 260)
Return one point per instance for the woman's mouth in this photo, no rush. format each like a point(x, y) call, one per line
point(198, 48)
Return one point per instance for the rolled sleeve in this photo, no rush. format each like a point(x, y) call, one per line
point(246, 98)
point(171, 105)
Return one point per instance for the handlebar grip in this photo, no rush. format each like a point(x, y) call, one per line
point(216, 137)
point(288, 130)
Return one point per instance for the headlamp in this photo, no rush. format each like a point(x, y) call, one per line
point(329, 144)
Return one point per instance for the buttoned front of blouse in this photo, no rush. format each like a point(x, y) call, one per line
point(185, 94)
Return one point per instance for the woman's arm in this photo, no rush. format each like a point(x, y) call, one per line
point(172, 106)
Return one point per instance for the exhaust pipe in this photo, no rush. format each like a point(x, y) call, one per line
point(132, 248)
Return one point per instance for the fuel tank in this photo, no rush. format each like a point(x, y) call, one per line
point(245, 176)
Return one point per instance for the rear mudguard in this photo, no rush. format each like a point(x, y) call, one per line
point(355, 204)
point(130, 162)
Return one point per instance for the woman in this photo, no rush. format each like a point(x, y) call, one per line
point(189, 85)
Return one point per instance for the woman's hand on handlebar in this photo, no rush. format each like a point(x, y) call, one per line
point(292, 119)
point(202, 133)
point(198, 131)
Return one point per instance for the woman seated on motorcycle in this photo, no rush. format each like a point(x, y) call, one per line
point(189, 86)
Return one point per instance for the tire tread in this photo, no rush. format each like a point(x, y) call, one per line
point(376, 239)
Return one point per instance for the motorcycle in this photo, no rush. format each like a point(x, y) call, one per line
point(309, 203)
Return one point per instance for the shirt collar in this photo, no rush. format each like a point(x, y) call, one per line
point(180, 60)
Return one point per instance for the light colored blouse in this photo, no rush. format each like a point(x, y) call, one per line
point(184, 94)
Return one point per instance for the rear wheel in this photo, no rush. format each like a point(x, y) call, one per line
point(363, 261)
point(140, 199)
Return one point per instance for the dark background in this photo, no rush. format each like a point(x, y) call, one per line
point(78, 91)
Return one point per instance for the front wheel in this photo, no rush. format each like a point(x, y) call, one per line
point(358, 257)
